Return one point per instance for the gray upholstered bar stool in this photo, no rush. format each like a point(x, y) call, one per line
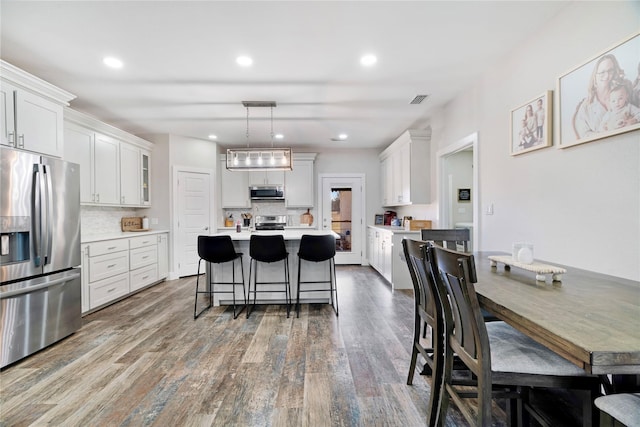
point(218, 250)
point(318, 249)
point(268, 249)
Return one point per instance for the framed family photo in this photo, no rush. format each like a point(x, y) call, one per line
point(531, 125)
point(601, 98)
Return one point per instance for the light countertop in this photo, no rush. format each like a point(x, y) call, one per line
point(394, 229)
point(288, 233)
point(121, 235)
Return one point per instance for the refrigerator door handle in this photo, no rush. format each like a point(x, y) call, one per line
point(36, 214)
point(49, 221)
point(43, 285)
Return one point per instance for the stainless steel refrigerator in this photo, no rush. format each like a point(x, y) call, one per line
point(40, 284)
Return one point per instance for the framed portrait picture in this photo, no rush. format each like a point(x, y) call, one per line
point(601, 97)
point(531, 125)
point(464, 194)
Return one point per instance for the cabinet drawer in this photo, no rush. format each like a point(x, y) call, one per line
point(142, 241)
point(107, 247)
point(103, 266)
point(143, 256)
point(143, 277)
point(107, 290)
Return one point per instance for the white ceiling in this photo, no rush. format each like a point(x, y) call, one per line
point(180, 75)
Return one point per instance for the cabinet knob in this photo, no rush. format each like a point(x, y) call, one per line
point(12, 138)
point(21, 141)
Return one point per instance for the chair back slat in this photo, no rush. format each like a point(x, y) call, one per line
point(448, 238)
point(420, 271)
point(455, 275)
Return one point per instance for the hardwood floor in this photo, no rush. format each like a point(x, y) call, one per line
point(145, 361)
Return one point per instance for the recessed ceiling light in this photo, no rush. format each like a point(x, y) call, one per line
point(244, 61)
point(368, 60)
point(112, 62)
point(343, 136)
point(212, 136)
point(278, 136)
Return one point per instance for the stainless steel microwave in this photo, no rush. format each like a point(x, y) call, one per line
point(266, 192)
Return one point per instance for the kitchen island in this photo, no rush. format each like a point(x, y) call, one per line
point(274, 271)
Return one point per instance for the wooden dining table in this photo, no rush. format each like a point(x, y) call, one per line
point(591, 319)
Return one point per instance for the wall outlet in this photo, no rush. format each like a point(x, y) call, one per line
point(154, 221)
point(462, 210)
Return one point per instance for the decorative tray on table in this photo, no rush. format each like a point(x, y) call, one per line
point(540, 269)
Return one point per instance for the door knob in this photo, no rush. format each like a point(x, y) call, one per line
point(206, 228)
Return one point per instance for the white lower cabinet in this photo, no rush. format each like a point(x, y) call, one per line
point(143, 261)
point(113, 269)
point(386, 254)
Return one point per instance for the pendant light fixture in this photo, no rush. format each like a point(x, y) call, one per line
point(259, 159)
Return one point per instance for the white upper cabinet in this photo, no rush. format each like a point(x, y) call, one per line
point(106, 170)
point(114, 165)
point(299, 182)
point(130, 175)
point(234, 187)
point(405, 169)
point(266, 178)
point(32, 112)
point(79, 148)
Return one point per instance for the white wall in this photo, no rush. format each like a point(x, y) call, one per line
point(579, 206)
point(170, 151)
point(356, 161)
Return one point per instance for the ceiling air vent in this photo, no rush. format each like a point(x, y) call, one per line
point(418, 99)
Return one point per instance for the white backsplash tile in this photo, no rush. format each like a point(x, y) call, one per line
point(99, 220)
point(268, 208)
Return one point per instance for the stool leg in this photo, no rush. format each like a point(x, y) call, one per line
point(233, 286)
point(334, 285)
point(287, 284)
point(298, 291)
point(249, 307)
point(195, 307)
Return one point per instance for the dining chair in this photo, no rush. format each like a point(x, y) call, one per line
point(268, 249)
point(318, 249)
point(426, 314)
point(451, 238)
point(456, 239)
point(504, 362)
point(622, 409)
point(218, 250)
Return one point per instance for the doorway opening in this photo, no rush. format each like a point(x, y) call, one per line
point(341, 206)
point(458, 197)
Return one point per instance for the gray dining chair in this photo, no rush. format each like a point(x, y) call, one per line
point(622, 409)
point(426, 315)
point(504, 362)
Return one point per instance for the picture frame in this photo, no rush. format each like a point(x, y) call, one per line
point(585, 93)
point(464, 194)
point(531, 124)
point(379, 219)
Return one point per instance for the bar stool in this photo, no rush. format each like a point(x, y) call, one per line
point(268, 249)
point(218, 250)
point(318, 249)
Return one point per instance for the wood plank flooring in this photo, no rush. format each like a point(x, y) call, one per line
point(145, 362)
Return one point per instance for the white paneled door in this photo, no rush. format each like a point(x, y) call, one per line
point(193, 218)
point(341, 208)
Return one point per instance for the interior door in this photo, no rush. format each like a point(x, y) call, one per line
point(193, 218)
point(341, 204)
